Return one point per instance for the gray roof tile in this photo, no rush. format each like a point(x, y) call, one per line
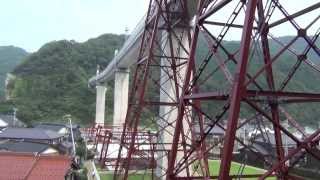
point(22, 146)
point(28, 133)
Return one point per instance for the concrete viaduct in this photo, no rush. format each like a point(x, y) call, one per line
point(118, 69)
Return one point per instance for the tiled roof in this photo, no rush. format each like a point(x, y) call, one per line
point(21, 146)
point(33, 167)
point(55, 126)
point(29, 133)
point(270, 139)
point(50, 126)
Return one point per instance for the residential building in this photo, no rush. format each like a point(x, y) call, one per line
point(29, 166)
point(31, 135)
point(62, 129)
point(27, 147)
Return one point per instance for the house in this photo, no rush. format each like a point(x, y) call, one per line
point(61, 129)
point(27, 147)
point(31, 135)
point(58, 128)
point(65, 147)
point(268, 138)
point(75, 130)
point(10, 121)
point(264, 145)
point(215, 131)
point(31, 166)
point(214, 138)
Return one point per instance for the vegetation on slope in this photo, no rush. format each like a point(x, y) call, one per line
point(10, 57)
point(53, 81)
point(304, 80)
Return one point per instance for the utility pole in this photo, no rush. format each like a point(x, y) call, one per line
point(68, 117)
point(71, 131)
point(14, 116)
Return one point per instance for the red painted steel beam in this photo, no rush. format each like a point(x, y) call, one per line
point(133, 89)
point(299, 96)
point(302, 145)
point(154, 103)
point(181, 108)
point(266, 115)
point(207, 96)
point(140, 94)
point(103, 144)
point(288, 100)
point(231, 56)
point(264, 29)
point(216, 123)
point(308, 149)
point(202, 156)
point(269, 75)
point(274, 58)
point(103, 160)
point(295, 15)
point(225, 24)
point(293, 121)
point(214, 9)
point(238, 92)
point(212, 124)
point(189, 97)
point(278, 94)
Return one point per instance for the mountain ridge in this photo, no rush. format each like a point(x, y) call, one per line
point(10, 57)
point(52, 82)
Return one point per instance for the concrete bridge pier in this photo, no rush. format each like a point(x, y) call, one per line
point(169, 92)
point(121, 91)
point(100, 104)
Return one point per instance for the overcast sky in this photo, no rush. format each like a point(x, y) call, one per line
point(31, 23)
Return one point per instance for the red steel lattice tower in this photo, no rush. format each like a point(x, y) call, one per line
point(204, 80)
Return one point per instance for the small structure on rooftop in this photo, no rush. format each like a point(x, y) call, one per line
point(264, 145)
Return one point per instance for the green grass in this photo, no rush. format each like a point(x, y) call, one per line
point(131, 177)
point(214, 166)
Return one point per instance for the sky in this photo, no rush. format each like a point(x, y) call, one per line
point(29, 24)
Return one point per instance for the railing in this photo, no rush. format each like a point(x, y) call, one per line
point(121, 60)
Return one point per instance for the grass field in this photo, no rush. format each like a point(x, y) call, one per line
point(214, 166)
point(131, 177)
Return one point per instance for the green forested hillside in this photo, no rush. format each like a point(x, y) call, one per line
point(10, 57)
point(53, 81)
point(304, 80)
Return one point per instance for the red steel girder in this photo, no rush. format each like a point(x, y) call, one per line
point(237, 92)
point(192, 94)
